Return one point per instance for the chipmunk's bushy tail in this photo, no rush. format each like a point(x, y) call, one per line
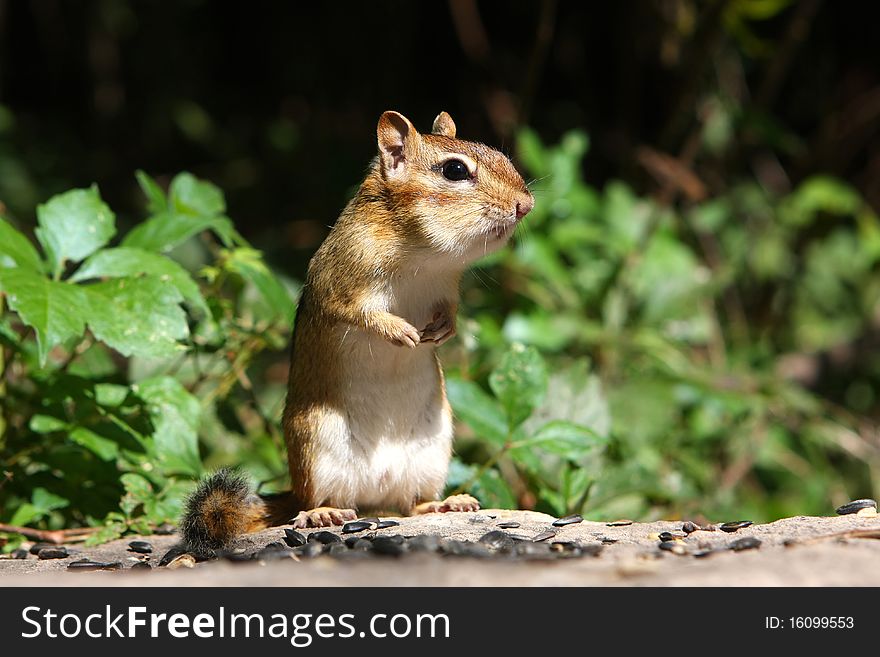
point(224, 506)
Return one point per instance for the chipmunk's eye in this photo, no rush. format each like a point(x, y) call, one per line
point(455, 170)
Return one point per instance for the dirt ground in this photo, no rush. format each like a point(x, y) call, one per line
point(799, 551)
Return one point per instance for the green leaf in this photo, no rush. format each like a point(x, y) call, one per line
point(127, 261)
point(104, 448)
point(493, 492)
point(42, 503)
point(156, 201)
point(519, 382)
point(565, 439)
point(248, 263)
point(166, 230)
point(137, 316)
point(109, 532)
point(175, 415)
point(73, 225)
point(16, 249)
point(137, 486)
point(110, 394)
point(46, 424)
point(189, 195)
point(477, 409)
point(55, 310)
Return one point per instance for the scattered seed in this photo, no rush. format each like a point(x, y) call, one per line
point(385, 524)
point(86, 564)
point(689, 527)
point(389, 545)
point(673, 546)
point(850, 507)
point(532, 550)
point(568, 520)
point(141, 565)
point(20, 553)
point(184, 560)
point(173, 553)
point(309, 550)
point(702, 554)
point(520, 537)
point(543, 536)
point(497, 540)
point(324, 537)
point(670, 536)
point(372, 521)
point(356, 526)
point(733, 526)
point(141, 547)
point(745, 543)
point(36, 547)
point(361, 545)
point(334, 549)
point(508, 524)
point(425, 543)
point(293, 538)
point(53, 553)
point(608, 541)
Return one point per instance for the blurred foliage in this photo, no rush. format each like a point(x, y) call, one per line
point(653, 382)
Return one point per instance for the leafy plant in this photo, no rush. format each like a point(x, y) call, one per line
point(671, 333)
point(117, 359)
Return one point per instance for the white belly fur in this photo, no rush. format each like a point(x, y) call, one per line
point(391, 446)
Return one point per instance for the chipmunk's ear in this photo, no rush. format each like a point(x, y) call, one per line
point(397, 140)
point(443, 125)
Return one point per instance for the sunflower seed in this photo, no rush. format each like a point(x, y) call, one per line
point(669, 536)
point(356, 526)
point(568, 520)
point(309, 550)
point(425, 543)
point(184, 560)
point(86, 564)
point(745, 543)
point(36, 547)
point(543, 536)
point(619, 523)
point(497, 540)
point(20, 553)
point(293, 538)
point(141, 565)
point(508, 524)
point(689, 527)
point(852, 507)
point(141, 547)
point(53, 553)
point(385, 524)
point(733, 526)
point(673, 546)
point(324, 537)
point(389, 545)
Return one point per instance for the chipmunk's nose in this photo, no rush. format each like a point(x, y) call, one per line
point(524, 205)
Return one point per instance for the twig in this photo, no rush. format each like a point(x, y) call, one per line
point(56, 536)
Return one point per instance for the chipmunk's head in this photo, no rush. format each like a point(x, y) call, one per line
point(457, 197)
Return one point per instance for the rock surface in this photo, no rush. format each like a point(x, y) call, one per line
point(799, 551)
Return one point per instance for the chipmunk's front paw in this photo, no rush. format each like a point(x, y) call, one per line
point(401, 333)
point(453, 503)
point(323, 516)
point(441, 328)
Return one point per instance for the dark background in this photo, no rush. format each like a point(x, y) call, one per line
point(277, 101)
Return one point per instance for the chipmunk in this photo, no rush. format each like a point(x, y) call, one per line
point(367, 422)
